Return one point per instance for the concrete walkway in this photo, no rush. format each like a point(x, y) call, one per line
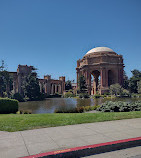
point(30, 142)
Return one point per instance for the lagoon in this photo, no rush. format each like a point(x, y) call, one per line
point(51, 104)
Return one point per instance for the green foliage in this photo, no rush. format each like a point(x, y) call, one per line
point(24, 112)
point(83, 95)
point(69, 94)
point(8, 106)
point(14, 122)
point(18, 97)
point(115, 89)
point(120, 106)
point(125, 92)
point(68, 85)
point(54, 96)
point(6, 82)
point(90, 108)
point(80, 109)
point(125, 81)
point(139, 86)
point(73, 110)
point(136, 77)
point(31, 87)
point(82, 88)
point(97, 96)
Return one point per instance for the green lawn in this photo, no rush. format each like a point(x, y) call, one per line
point(17, 122)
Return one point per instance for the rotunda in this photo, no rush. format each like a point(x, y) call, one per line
point(101, 67)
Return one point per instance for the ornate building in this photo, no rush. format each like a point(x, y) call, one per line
point(50, 86)
point(47, 85)
point(104, 66)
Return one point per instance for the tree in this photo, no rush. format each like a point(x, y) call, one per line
point(82, 84)
point(5, 81)
point(125, 81)
point(31, 87)
point(139, 87)
point(115, 89)
point(68, 85)
point(136, 77)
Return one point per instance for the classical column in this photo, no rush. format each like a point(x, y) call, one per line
point(88, 81)
point(40, 87)
point(77, 78)
point(46, 88)
point(14, 84)
point(52, 89)
point(19, 83)
point(103, 77)
point(95, 84)
point(59, 89)
point(55, 88)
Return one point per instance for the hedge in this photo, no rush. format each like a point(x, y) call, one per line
point(8, 106)
point(77, 109)
point(120, 106)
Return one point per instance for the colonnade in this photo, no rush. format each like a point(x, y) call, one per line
point(55, 88)
point(104, 80)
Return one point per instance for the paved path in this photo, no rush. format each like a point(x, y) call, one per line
point(24, 143)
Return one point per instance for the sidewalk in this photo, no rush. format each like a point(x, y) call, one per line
point(31, 142)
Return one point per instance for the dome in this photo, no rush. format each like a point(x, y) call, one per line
point(99, 49)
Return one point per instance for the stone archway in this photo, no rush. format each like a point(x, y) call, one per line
point(95, 85)
point(100, 62)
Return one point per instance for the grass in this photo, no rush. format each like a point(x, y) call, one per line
point(15, 122)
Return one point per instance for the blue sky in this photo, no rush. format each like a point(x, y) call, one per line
point(53, 34)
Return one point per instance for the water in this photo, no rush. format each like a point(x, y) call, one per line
point(51, 104)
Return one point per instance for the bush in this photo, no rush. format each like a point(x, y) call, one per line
point(53, 96)
point(69, 94)
point(77, 109)
point(18, 97)
point(90, 108)
point(97, 96)
point(120, 106)
point(74, 110)
point(83, 95)
point(125, 93)
point(8, 106)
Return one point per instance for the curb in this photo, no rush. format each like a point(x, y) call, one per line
point(90, 149)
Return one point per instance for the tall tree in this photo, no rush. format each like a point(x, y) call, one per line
point(68, 85)
point(136, 77)
point(31, 87)
point(125, 81)
point(5, 81)
point(139, 86)
point(82, 84)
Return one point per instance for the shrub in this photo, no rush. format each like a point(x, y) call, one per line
point(83, 95)
point(90, 108)
point(69, 94)
point(73, 110)
point(77, 109)
point(120, 106)
point(97, 96)
point(8, 106)
point(125, 92)
point(18, 97)
point(24, 112)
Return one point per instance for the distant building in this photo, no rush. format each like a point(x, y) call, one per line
point(47, 85)
point(50, 86)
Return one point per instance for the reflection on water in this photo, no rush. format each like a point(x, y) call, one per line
point(49, 105)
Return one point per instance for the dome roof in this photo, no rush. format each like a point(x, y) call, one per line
point(99, 49)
